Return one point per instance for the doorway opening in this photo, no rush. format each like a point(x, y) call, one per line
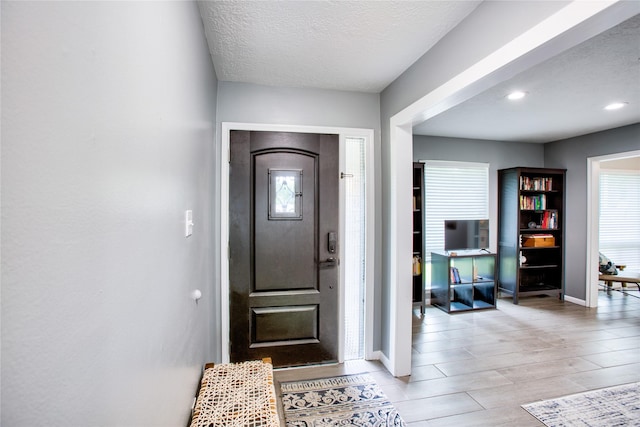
point(594, 170)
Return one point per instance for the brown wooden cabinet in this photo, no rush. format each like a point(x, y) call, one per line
point(531, 213)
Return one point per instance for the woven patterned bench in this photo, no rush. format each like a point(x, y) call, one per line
point(236, 394)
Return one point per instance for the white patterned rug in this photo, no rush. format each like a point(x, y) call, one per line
point(350, 400)
point(607, 407)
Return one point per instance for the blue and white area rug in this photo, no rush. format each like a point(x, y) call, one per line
point(349, 400)
point(607, 407)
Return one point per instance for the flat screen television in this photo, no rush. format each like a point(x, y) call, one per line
point(466, 234)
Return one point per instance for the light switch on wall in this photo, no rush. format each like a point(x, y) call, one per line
point(188, 223)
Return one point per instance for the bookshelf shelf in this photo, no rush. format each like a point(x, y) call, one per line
point(531, 207)
point(531, 267)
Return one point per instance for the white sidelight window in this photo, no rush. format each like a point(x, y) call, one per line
point(619, 238)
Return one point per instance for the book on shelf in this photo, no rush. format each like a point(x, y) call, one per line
point(534, 203)
point(417, 265)
point(549, 220)
point(455, 275)
point(536, 184)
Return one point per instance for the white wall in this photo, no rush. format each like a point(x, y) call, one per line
point(108, 112)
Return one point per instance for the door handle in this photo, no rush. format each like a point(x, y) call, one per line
point(328, 263)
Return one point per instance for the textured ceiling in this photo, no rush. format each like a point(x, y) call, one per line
point(566, 95)
point(363, 46)
point(345, 45)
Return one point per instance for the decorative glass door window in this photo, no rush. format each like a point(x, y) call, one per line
point(285, 194)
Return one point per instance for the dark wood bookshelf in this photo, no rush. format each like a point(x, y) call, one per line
point(418, 279)
point(531, 208)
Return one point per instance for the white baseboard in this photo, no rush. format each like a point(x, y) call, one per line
point(575, 300)
point(374, 355)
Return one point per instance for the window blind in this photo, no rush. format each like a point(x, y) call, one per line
point(453, 190)
point(620, 216)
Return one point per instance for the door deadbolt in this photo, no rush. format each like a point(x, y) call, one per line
point(332, 242)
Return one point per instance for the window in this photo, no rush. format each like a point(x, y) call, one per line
point(620, 216)
point(285, 194)
point(453, 190)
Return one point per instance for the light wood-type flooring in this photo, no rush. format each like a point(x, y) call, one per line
point(477, 368)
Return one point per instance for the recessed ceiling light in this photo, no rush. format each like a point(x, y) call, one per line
point(616, 105)
point(516, 95)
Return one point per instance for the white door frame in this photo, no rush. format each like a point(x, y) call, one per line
point(227, 127)
point(529, 49)
point(593, 221)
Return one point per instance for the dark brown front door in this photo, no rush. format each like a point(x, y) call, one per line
point(283, 232)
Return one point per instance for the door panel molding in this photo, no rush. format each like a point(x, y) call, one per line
point(264, 318)
point(223, 163)
point(300, 227)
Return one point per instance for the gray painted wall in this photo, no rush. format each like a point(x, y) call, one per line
point(249, 103)
point(108, 112)
point(572, 154)
point(499, 155)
